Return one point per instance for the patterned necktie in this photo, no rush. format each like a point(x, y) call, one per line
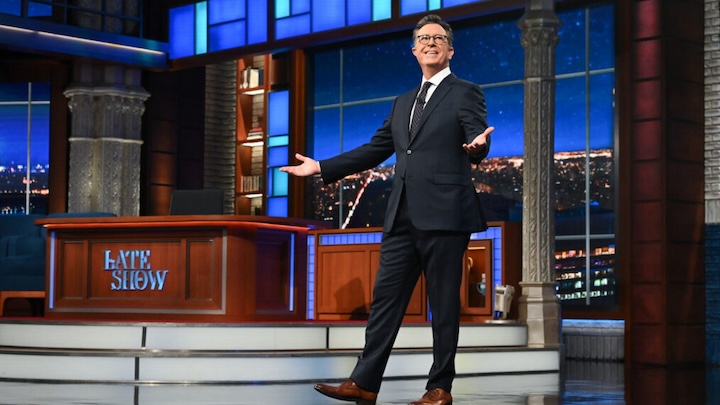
point(419, 105)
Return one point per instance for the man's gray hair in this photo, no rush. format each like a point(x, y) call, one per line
point(434, 19)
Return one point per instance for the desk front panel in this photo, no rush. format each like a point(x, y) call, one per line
point(181, 272)
point(175, 270)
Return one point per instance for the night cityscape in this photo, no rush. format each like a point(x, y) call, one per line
point(13, 185)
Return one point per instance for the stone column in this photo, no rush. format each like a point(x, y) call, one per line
point(106, 103)
point(538, 305)
point(712, 181)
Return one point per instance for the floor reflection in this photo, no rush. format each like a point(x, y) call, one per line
point(580, 382)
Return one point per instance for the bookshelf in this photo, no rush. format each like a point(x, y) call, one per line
point(252, 92)
point(263, 134)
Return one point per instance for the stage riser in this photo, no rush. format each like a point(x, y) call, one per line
point(238, 337)
point(274, 369)
point(202, 353)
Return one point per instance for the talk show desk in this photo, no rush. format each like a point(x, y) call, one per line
point(209, 268)
point(228, 268)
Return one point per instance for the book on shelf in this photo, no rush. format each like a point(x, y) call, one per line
point(251, 184)
point(255, 134)
point(256, 160)
point(252, 77)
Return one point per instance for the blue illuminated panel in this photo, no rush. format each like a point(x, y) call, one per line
point(311, 276)
point(300, 6)
point(277, 182)
point(359, 11)
point(382, 10)
point(10, 7)
point(278, 141)
point(221, 11)
point(408, 7)
point(37, 9)
point(201, 33)
point(302, 17)
point(453, 3)
point(328, 15)
point(227, 36)
point(360, 238)
point(278, 152)
point(277, 206)
point(282, 8)
point(292, 26)
point(280, 183)
point(182, 32)
point(278, 112)
point(277, 156)
point(216, 25)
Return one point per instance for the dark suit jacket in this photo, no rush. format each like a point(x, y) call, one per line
point(432, 168)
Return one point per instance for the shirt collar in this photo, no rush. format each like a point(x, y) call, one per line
point(438, 77)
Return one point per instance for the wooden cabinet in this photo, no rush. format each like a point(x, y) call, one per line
point(476, 291)
point(346, 262)
point(345, 277)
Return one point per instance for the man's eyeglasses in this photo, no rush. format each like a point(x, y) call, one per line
point(437, 39)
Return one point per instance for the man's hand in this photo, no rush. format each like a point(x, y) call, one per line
point(308, 167)
point(479, 142)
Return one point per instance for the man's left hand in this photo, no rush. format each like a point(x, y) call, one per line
point(479, 142)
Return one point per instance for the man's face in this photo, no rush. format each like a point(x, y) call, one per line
point(433, 55)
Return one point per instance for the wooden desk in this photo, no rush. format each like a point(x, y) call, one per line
point(347, 260)
point(218, 268)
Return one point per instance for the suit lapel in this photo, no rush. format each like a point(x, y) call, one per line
point(405, 106)
point(437, 96)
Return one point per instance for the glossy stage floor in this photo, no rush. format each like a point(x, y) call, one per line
point(580, 382)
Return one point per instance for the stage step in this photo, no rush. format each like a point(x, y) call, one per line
point(244, 353)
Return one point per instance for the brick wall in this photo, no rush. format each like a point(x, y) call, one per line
point(220, 130)
point(712, 180)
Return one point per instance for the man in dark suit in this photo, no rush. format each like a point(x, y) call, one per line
point(436, 132)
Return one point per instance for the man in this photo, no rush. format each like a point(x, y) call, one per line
point(432, 210)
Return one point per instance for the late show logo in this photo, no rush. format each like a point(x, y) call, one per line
point(131, 271)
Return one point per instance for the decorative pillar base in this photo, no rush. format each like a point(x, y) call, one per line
point(539, 308)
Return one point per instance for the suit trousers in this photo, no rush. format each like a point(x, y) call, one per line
point(405, 253)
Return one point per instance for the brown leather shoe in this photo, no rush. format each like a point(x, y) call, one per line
point(348, 391)
point(436, 396)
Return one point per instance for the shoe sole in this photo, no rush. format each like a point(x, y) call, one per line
point(349, 399)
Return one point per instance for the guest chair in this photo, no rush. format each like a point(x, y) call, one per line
point(197, 202)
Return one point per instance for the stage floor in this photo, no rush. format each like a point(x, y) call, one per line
point(579, 383)
point(544, 388)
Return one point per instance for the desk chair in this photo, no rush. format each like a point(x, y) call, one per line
point(197, 202)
